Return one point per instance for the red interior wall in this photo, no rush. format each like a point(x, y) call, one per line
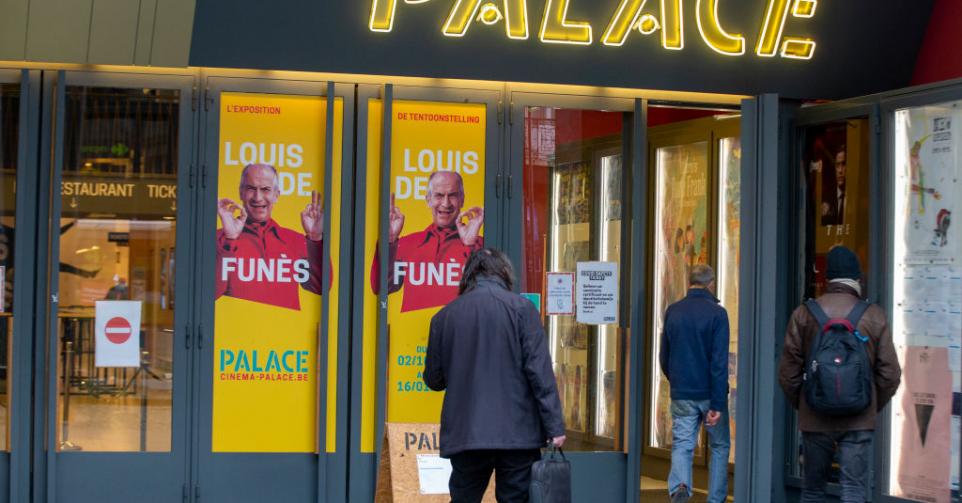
point(658, 116)
point(940, 57)
point(581, 125)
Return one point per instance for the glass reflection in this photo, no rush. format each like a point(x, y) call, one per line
point(729, 258)
point(681, 241)
point(573, 207)
point(117, 244)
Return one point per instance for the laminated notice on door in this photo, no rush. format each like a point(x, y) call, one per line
point(561, 293)
point(597, 293)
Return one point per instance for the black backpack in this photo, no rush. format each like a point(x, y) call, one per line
point(838, 378)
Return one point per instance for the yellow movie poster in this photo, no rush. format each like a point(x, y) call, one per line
point(270, 272)
point(435, 219)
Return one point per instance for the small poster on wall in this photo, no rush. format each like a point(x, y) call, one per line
point(597, 293)
point(561, 293)
point(933, 188)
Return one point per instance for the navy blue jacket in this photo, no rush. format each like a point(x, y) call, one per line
point(694, 349)
point(488, 349)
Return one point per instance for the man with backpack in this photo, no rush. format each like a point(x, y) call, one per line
point(839, 369)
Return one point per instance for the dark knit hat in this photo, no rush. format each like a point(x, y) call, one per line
point(842, 263)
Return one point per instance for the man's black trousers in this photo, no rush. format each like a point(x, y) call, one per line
point(471, 471)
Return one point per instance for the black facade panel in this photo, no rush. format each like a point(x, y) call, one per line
point(862, 46)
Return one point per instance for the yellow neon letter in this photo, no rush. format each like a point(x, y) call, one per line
point(382, 15)
point(798, 48)
point(771, 34)
point(465, 12)
point(624, 20)
point(516, 19)
point(804, 8)
point(672, 25)
point(712, 32)
point(555, 27)
point(770, 38)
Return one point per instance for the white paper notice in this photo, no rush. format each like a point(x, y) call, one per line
point(117, 332)
point(955, 359)
point(597, 292)
point(434, 472)
point(561, 293)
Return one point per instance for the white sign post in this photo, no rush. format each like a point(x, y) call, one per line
point(117, 331)
point(597, 293)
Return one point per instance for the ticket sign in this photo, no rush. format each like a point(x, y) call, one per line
point(117, 333)
point(436, 220)
point(270, 273)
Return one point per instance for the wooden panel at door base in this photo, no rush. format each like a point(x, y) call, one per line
point(397, 475)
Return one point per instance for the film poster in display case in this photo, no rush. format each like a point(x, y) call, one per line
point(927, 305)
point(682, 240)
point(836, 167)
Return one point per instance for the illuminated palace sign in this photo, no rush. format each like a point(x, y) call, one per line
point(557, 28)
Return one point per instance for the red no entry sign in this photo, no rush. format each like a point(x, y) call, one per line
point(118, 330)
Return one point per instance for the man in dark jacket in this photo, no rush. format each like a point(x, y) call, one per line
point(851, 435)
point(488, 349)
point(694, 359)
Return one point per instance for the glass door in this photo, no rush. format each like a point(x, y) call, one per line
point(838, 189)
point(696, 209)
point(570, 183)
point(120, 310)
point(276, 213)
point(429, 193)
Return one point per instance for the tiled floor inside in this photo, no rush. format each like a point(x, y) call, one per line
point(657, 491)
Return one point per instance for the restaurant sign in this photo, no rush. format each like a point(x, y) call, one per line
point(118, 196)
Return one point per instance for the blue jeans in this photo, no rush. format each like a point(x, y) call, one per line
point(687, 416)
point(854, 455)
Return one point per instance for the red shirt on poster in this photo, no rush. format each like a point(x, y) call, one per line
point(267, 263)
point(427, 264)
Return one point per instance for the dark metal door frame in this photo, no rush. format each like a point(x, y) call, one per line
point(58, 474)
point(364, 464)
point(15, 462)
point(616, 468)
point(766, 248)
point(329, 468)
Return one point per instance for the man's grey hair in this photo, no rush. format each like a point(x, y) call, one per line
point(436, 173)
point(701, 275)
point(277, 182)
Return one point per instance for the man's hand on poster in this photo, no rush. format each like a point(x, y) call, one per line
point(396, 219)
point(469, 230)
point(233, 225)
point(312, 218)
